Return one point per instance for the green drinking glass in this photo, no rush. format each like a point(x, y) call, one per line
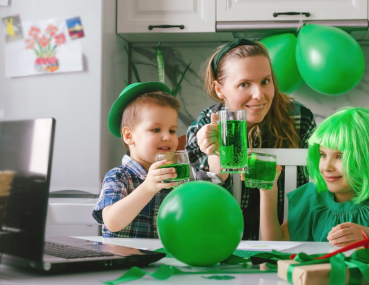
point(179, 161)
point(261, 170)
point(232, 141)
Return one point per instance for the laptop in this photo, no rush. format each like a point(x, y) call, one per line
point(26, 149)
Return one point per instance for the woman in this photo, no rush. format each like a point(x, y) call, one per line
point(240, 76)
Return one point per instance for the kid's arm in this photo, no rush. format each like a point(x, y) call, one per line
point(345, 234)
point(269, 224)
point(285, 231)
point(119, 215)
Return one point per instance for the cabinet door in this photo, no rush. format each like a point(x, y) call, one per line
point(263, 10)
point(135, 16)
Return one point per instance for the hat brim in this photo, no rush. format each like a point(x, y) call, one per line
point(119, 105)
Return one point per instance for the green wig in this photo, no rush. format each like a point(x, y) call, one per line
point(347, 131)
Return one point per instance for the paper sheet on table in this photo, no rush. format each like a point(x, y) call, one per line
point(267, 245)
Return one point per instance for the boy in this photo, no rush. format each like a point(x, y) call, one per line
point(145, 117)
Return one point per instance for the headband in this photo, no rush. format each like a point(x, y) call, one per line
point(226, 48)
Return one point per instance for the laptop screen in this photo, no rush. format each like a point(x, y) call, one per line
point(25, 167)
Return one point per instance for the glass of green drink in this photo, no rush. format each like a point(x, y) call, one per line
point(232, 141)
point(261, 170)
point(179, 161)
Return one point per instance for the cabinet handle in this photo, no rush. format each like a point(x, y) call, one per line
point(307, 14)
point(166, 26)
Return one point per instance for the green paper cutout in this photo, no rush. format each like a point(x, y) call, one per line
point(219, 277)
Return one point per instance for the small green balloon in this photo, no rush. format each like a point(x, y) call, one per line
point(200, 223)
point(330, 60)
point(282, 51)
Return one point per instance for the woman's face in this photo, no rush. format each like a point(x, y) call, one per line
point(248, 85)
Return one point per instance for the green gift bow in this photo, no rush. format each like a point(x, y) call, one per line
point(357, 264)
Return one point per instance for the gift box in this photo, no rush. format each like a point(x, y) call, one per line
point(315, 274)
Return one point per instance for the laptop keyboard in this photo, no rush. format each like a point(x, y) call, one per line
point(69, 252)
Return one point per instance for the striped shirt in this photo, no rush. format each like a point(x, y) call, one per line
point(118, 184)
point(250, 197)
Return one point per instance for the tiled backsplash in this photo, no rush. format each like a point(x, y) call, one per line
point(193, 97)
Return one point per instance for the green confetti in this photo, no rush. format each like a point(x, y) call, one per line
point(219, 277)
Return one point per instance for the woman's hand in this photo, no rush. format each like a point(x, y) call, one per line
point(208, 137)
point(345, 234)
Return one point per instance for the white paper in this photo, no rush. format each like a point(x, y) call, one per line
point(267, 245)
point(21, 61)
point(4, 2)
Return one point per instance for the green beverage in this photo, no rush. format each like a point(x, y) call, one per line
point(233, 145)
point(182, 170)
point(260, 173)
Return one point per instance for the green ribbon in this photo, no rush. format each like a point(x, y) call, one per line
point(238, 263)
point(228, 266)
point(357, 263)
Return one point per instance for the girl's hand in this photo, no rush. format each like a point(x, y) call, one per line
point(155, 176)
point(278, 168)
point(208, 137)
point(345, 234)
point(275, 187)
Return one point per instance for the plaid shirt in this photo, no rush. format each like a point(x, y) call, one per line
point(250, 197)
point(118, 184)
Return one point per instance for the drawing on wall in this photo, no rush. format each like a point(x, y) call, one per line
point(45, 45)
point(75, 28)
point(13, 28)
point(4, 2)
point(47, 48)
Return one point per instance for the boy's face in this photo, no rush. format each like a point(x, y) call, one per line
point(155, 133)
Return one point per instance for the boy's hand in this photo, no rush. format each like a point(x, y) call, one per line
point(208, 136)
point(155, 176)
point(345, 234)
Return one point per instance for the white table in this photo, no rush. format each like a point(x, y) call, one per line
point(15, 276)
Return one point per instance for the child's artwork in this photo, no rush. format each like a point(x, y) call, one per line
point(47, 48)
point(267, 245)
point(75, 28)
point(13, 28)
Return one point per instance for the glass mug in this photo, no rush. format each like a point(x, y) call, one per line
point(179, 161)
point(261, 170)
point(232, 141)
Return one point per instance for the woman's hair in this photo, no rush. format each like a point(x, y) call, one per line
point(347, 131)
point(282, 134)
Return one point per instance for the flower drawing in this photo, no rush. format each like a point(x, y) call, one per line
point(44, 46)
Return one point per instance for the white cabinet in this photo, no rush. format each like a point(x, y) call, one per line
point(264, 10)
point(166, 20)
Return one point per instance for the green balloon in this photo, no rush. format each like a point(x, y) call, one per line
point(200, 223)
point(282, 49)
point(330, 60)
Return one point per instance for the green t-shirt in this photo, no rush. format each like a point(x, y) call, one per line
point(311, 215)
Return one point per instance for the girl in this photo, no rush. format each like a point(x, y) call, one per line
point(336, 206)
point(240, 76)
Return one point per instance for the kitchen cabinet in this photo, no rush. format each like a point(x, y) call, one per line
point(166, 20)
point(265, 10)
